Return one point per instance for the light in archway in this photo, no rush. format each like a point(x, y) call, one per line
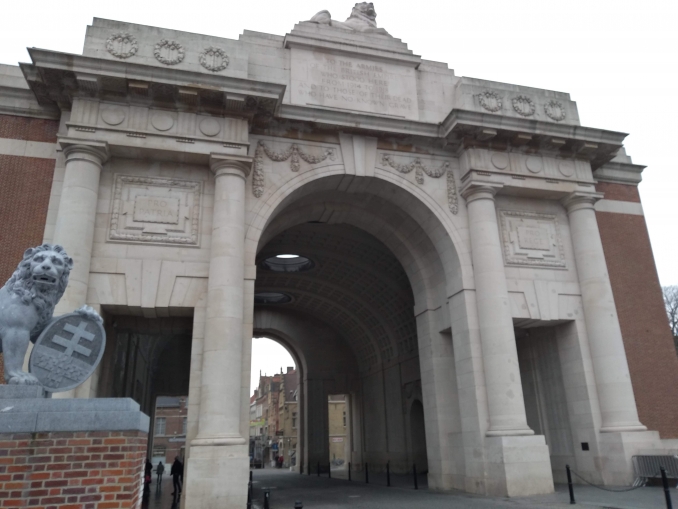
point(287, 263)
point(272, 298)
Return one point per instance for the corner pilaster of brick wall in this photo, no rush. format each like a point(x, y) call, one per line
point(72, 470)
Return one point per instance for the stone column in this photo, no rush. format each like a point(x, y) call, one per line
point(77, 211)
point(75, 226)
point(217, 468)
point(500, 357)
point(613, 380)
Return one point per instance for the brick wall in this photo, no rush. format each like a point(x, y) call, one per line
point(72, 470)
point(25, 185)
point(650, 350)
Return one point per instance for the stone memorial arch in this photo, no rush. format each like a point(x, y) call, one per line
point(472, 264)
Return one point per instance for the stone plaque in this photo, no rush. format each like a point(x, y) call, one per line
point(155, 210)
point(67, 352)
point(535, 239)
point(346, 83)
point(531, 239)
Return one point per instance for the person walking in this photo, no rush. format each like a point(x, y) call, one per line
point(160, 469)
point(177, 473)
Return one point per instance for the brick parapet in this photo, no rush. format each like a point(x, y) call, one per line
point(28, 129)
point(72, 470)
point(620, 192)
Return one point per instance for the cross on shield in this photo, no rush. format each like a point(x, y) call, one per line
point(67, 352)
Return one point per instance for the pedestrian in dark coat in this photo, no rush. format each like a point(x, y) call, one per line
point(177, 473)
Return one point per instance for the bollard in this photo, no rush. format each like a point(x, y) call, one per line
point(301, 467)
point(569, 484)
point(298, 505)
point(250, 476)
point(249, 494)
point(667, 493)
point(318, 469)
point(416, 481)
point(309, 468)
point(267, 496)
point(349, 470)
point(388, 474)
point(329, 470)
point(367, 475)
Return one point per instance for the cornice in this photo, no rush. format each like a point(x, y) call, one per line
point(619, 173)
point(50, 77)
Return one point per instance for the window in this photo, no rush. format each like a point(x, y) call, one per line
point(183, 426)
point(261, 431)
point(159, 451)
point(344, 419)
point(160, 423)
point(294, 420)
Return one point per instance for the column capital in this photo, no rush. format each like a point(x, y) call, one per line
point(478, 190)
point(229, 164)
point(580, 200)
point(93, 151)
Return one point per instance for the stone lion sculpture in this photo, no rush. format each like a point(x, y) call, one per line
point(362, 19)
point(27, 304)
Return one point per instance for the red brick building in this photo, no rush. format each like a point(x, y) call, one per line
point(169, 430)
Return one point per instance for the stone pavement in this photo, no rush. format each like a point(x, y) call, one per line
point(323, 493)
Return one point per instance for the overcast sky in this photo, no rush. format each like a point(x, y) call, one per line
point(618, 60)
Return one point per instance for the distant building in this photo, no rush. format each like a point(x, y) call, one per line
point(288, 417)
point(169, 429)
point(337, 425)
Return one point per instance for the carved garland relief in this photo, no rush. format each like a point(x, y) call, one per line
point(532, 239)
point(214, 59)
point(169, 52)
point(155, 210)
point(421, 169)
point(122, 45)
point(522, 105)
point(125, 45)
point(293, 152)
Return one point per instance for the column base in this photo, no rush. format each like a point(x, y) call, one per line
point(617, 449)
point(217, 477)
point(518, 466)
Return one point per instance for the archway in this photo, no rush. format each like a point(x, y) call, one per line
point(381, 266)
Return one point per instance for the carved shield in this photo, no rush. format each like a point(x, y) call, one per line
point(67, 352)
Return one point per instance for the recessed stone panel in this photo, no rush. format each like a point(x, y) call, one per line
point(347, 83)
point(155, 210)
point(531, 239)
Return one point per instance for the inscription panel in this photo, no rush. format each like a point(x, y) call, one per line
point(350, 84)
point(155, 210)
point(152, 209)
point(531, 239)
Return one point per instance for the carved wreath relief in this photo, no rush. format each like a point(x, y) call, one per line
point(294, 152)
point(122, 45)
point(531, 239)
point(155, 210)
point(555, 110)
point(421, 169)
point(490, 101)
point(214, 59)
point(523, 106)
point(169, 52)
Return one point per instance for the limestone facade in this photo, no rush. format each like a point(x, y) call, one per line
point(476, 254)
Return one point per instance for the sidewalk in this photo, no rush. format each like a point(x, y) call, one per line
point(324, 493)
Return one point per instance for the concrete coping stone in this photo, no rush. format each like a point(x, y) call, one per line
point(34, 414)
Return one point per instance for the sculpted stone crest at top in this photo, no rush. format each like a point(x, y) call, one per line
point(363, 18)
point(27, 304)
